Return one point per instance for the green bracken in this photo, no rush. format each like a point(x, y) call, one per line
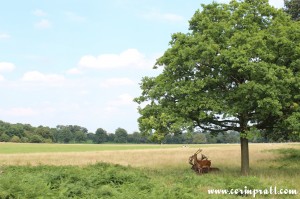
point(104, 180)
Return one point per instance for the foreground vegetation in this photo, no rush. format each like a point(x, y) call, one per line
point(161, 172)
point(104, 180)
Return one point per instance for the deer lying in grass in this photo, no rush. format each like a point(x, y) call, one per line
point(199, 165)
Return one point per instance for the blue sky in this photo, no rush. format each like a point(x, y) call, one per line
point(76, 62)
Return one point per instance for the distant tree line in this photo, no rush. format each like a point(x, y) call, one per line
point(25, 133)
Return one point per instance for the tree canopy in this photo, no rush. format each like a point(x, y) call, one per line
point(292, 7)
point(236, 69)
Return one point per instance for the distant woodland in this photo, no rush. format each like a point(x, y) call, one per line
point(25, 133)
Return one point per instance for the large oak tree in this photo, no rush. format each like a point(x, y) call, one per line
point(238, 69)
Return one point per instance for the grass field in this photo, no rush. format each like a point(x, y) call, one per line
point(11, 148)
point(148, 171)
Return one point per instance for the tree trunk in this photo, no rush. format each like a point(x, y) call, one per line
point(244, 156)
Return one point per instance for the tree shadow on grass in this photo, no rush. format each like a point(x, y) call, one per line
point(287, 162)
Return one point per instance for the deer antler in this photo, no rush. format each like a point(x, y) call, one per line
point(199, 150)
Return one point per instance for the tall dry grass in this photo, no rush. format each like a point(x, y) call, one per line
point(222, 156)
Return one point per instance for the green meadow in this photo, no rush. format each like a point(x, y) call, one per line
point(12, 148)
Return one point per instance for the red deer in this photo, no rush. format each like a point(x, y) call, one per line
point(199, 165)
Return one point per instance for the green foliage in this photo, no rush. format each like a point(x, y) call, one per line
point(100, 135)
point(66, 134)
point(77, 134)
point(44, 132)
point(114, 181)
point(80, 137)
point(36, 139)
point(292, 7)
point(96, 181)
point(14, 130)
point(15, 139)
point(236, 69)
point(120, 135)
point(4, 137)
point(136, 137)
point(199, 138)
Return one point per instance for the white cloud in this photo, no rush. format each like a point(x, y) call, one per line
point(223, 1)
point(111, 110)
point(4, 36)
point(84, 92)
point(39, 13)
point(74, 17)
point(115, 82)
point(36, 76)
point(6, 67)
point(74, 71)
point(123, 100)
point(1, 78)
point(43, 24)
point(130, 58)
point(22, 112)
point(168, 17)
point(276, 3)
